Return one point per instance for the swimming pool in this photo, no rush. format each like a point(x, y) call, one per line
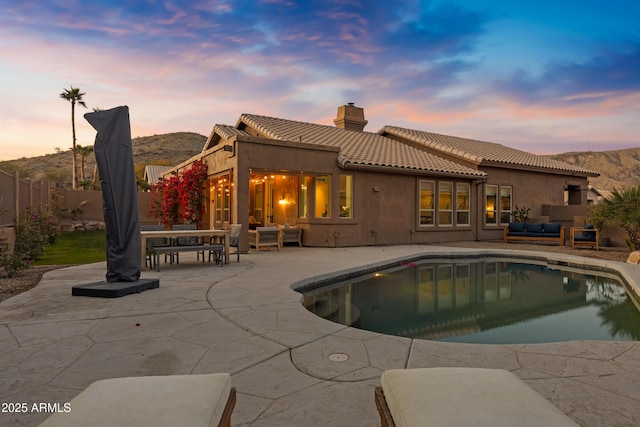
point(490, 301)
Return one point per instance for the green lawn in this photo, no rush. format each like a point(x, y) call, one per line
point(75, 247)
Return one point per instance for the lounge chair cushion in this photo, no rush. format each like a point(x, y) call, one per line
point(466, 397)
point(174, 400)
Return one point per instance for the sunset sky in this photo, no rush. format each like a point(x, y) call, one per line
point(543, 76)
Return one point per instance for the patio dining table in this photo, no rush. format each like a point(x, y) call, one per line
point(173, 234)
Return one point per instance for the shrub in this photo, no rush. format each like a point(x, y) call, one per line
point(31, 234)
point(11, 261)
point(521, 214)
point(621, 209)
point(34, 230)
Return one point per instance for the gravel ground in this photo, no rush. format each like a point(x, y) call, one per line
point(27, 279)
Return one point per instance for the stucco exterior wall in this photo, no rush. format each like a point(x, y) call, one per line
point(385, 205)
point(532, 190)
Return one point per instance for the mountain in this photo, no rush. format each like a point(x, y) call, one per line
point(617, 168)
point(167, 149)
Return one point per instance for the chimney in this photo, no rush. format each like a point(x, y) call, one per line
point(350, 117)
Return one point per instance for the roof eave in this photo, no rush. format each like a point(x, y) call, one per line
point(410, 171)
point(540, 169)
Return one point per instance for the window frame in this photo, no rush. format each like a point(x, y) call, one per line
point(432, 208)
point(448, 211)
point(494, 209)
point(326, 214)
point(348, 196)
point(507, 212)
point(460, 210)
point(434, 211)
point(502, 216)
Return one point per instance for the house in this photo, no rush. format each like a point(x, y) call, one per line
point(595, 195)
point(344, 186)
point(153, 173)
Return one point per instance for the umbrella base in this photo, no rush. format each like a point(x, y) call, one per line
point(114, 289)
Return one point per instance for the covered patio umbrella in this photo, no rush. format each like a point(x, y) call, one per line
point(114, 157)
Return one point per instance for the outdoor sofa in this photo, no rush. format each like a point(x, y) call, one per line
point(548, 231)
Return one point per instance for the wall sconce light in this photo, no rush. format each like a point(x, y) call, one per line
point(227, 148)
point(283, 201)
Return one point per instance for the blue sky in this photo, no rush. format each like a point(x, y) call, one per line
point(546, 77)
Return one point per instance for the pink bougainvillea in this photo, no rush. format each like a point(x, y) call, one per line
point(190, 192)
point(180, 196)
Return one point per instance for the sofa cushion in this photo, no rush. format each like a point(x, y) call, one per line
point(466, 397)
point(516, 227)
point(534, 228)
point(589, 235)
point(552, 228)
point(174, 400)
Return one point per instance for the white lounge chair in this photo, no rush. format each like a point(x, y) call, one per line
point(445, 397)
point(160, 401)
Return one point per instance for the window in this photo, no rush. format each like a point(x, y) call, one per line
point(258, 202)
point(505, 204)
point(346, 196)
point(462, 204)
point(491, 194)
point(427, 204)
point(453, 206)
point(445, 203)
point(223, 199)
point(323, 196)
point(302, 197)
point(499, 204)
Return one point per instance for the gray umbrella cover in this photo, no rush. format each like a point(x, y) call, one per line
point(114, 156)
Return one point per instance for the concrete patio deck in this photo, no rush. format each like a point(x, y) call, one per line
point(246, 320)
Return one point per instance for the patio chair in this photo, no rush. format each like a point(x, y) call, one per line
point(172, 400)
point(442, 397)
point(290, 234)
point(234, 238)
point(584, 236)
point(265, 236)
point(152, 258)
point(188, 241)
point(234, 242)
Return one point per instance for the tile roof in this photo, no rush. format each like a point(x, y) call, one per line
point(228, 132)
point(481, 151)
point(358, 148)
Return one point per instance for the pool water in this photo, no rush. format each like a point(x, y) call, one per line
point(482, 301)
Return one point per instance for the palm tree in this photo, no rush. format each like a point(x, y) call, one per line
point(84, 152)
point(621, 209)
point(73, 95)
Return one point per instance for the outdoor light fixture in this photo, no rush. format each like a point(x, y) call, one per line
point(227, 148)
